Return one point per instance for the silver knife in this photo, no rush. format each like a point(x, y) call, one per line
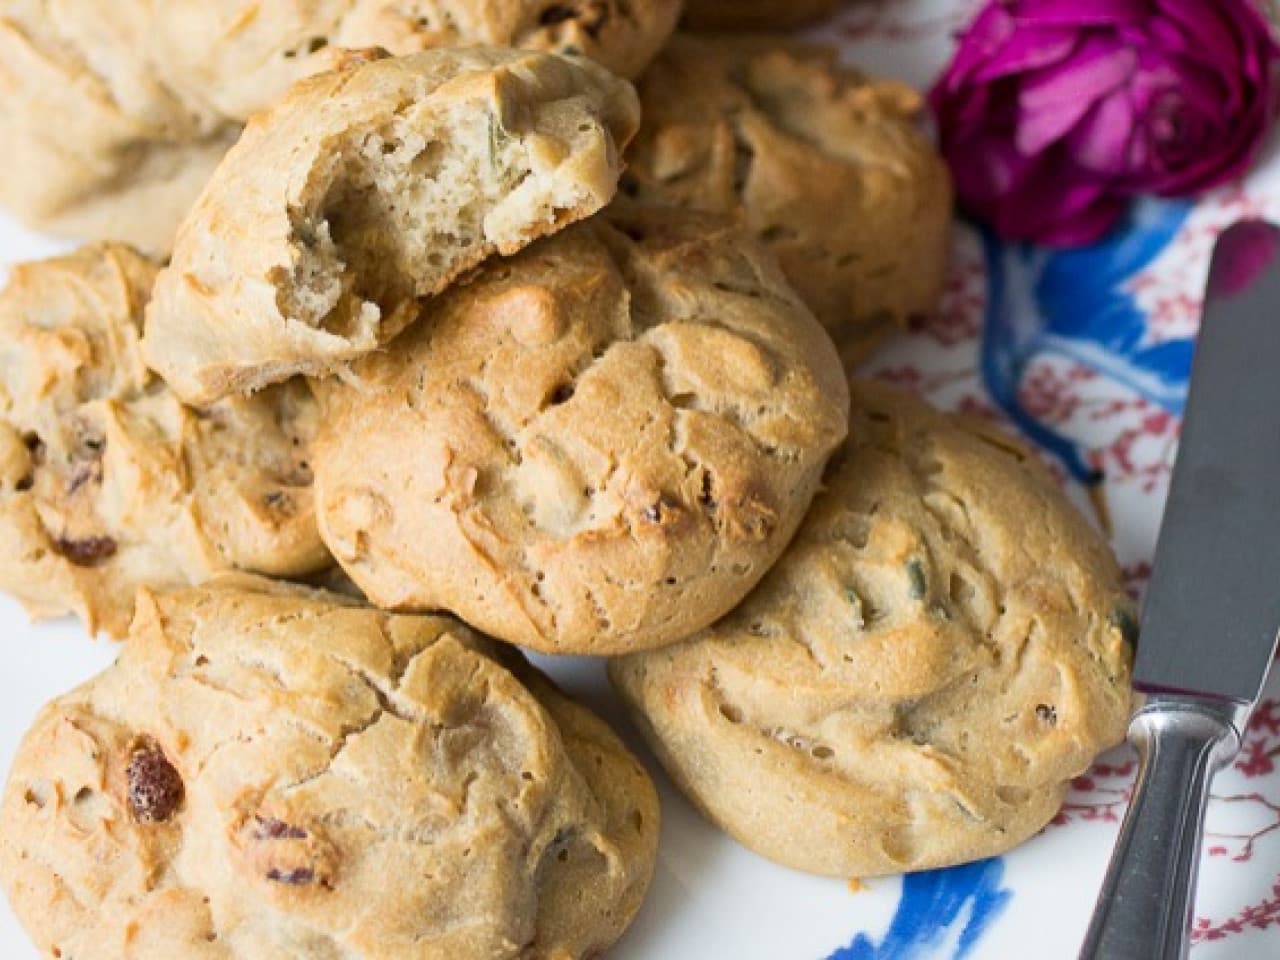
point(1210, 619)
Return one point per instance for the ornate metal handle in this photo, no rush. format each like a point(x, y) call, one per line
point(1145, 907)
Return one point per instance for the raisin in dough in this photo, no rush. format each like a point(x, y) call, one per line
point(107, 482)
point(823, 164)
point(754, 14)
point(367, 188)
point(149, 96)
point(599, 445)
point(272, 773)
point(945, 645)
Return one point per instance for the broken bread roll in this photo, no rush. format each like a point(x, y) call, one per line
point(368, 188)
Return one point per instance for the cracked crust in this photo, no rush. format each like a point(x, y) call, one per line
point(157, 92)
point(754, 14)
point(596, 446)
point(823, 164)
point(366, 189)
point(107, 481)
point(944, 646)
point(271, 772)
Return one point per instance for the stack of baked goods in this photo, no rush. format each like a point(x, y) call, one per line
point(435, 339)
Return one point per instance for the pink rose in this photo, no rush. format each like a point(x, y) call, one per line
point(1054, 113)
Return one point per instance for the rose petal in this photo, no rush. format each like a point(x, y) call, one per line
point(1158, 76)
point(1139, 149)
point(1203, 22)
point(1072, 191)
point(976, 111)
point(987, 172)
point(1040, 128)
point(1052, 201)
point(1256, 36)
point(1229, 159)
point(1185, 127)
point(1080, 13)
point(1099, 66)
point(1084, 228)
point(1177, 138)
point(1101, 141)
point(977, 44)
point(1083, 215)
point(1171, 36)
point(1028, 50)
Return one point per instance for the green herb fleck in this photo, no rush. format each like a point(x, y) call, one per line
point(1123, 619)
point(855, 601)
point(919, 582)
point(964, 810)
point(496, 135)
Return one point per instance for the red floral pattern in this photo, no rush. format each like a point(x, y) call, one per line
point(1258, 916)
point(1100, 795)
point(1130, 441)
point(1103, 794)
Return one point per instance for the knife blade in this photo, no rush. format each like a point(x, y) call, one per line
point(1213, 604)
point(1209, 625)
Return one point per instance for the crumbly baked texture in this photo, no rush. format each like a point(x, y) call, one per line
point(268, 772)
point(151, 95)
point(597, 446)
point(107, 482)
point(943, 647)
point(367, 188)
point(823, 164)
point(754, 14)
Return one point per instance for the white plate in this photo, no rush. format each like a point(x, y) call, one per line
point(1097, 398)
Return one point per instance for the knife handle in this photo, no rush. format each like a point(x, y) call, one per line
point(1144, 910)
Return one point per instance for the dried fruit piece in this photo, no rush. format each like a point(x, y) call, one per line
point(294, 878)
point(155, 787)
point(270, 828)
point(88, 551)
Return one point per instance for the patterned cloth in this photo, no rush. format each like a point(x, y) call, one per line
point(1087, 353)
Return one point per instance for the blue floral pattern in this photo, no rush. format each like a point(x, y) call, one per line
point(937, 906)
point(1077, 304)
